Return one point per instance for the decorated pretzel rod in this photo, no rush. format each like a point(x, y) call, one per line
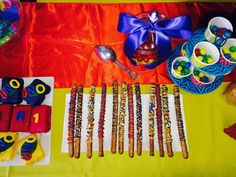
point(71, 120)
point(90, 117)
point(159, 121)
point(131, 121)
point(101, 120)
point(139, 118)
point(167, 122)
point(122, 114)
point(151, 118)
point(180, 123)
point(114, 117)
point(78, 121)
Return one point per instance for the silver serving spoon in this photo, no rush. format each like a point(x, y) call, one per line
point(108, 55)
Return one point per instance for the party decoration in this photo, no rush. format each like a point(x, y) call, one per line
point(101, 120)
point(9, 19)
point(131, 120)
point(78, 121)
point(139, 118)
point(139, 30)
point(20, 121)
point(5, 117)
point(90, 124)
point(34, 94)
point(40, 121)
point(167, 122)
point(71, 120)
point(151, 115)
point(8, 143)
point(107, 54)
point(230, 93)
point(159, 121)
point(11, 90)
point(122, 115)
point(31, 150)
point(180, 122)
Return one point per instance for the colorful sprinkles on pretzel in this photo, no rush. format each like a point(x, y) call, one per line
point(139, 118)
point(102, 120)
point(152, 104)
point(122, 115)
point(90, 118)
point(78, 121)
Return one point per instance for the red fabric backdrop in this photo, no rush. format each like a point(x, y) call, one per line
point(58, 40)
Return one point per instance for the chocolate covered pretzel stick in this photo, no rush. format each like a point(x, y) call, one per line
point(180, 123)
point(114, 117)
point(167, 122)
point(131, 121)
point(139, 118)
point(78, 121)
point(101, 121)
point(122, 114)
point(159, 121)
point(90, 123)
point(151, 118)
point(71, 120)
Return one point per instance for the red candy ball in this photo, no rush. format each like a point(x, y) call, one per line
point(197, 52)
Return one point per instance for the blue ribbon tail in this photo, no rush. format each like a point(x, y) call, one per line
point(163, 45)
point(10, 13)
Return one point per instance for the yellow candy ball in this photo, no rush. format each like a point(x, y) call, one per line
point(197, 77)
point(200, 57)
point(179, 68)
point(226, 50)
point(233, 55)
point(203, 51)
point(178, 72)
point(201, 74)
point(210, 60)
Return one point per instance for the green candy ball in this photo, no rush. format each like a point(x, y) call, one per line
point(182, 63)
point(196, 72)
point(186, 71)
point(232, 49)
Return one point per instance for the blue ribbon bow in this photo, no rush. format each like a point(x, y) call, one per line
point(139, 30)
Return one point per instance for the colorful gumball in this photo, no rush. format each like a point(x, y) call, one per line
point(203, 56)
point(229, 53)
point(181, 67)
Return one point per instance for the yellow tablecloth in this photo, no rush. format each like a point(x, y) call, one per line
point(211, 151)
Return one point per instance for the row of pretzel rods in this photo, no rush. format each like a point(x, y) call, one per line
point(158, 101)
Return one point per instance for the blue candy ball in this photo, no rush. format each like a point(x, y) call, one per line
point(204, 79)
point(228, 56)
point(188, 65)
point(227, 34)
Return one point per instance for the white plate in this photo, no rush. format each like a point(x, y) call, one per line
point(108, 123)
point(45, 138)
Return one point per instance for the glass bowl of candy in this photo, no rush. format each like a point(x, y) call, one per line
point(204, 54)
point(146, 56)
point(219, 29)
point(199, 78)
point(228, 52)
point(181, 67)
point(10, 11)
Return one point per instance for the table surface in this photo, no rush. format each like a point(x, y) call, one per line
point(211, 151)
